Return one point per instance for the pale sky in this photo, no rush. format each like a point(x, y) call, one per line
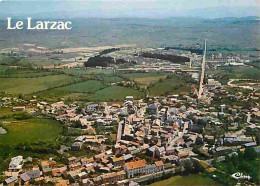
point(144, 8)
point(177, 3)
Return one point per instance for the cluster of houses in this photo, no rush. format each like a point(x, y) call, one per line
point(153, 135)
point(108, 169)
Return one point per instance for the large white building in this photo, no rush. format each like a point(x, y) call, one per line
point(16, 163)
point(140, 167)
point(213, 83)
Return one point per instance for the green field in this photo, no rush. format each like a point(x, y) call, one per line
point(99, 71)
point(3, 68)
point(7, 111)
point(143, 74)
point(146, 78)
point(223, 74)
point(40, 61)
point(100, 74)
point(245, 82)
point(114, 93)
point(245, 73)
point(231, 72)
point(31, 130)
point(109, 78)
point(86, 87)
point(194, 179)
point(83, 71)
point(31, 85)
point(169, 86)
point(5, 71)
point(46, 85)
point(6, 59)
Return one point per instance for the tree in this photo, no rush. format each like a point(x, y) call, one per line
point(188, 166)
point(109, 141)
point(197, 167)
point(227, 158)
point(231, 167)
point(258, 137)
point(250, 154)
point(71, 180)
point(235, 159)
point(78, 110)
point(77, 124)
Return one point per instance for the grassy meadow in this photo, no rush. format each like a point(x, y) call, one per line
point(86, 87)
point(29, 131)
point(193, 179)
point(70, 84)
point(114, 93)
point(109, 78)
point(146, 78)
point(42, 61)
point(244, 73)
point(90, 71)
point(86, 72)
point(7, 111)
point(31, 85)
point(95, 84)
point(6, 72)
point(169, 86)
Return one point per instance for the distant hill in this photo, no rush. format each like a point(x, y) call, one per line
point(88, 9)
point(225, 12)
point(249, 19)
point(161, 33)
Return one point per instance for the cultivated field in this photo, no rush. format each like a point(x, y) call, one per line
point(40, 61)
point(83, 71)
point(31, 85)
point(6, 72)
point(114, 93)
point(86, 87)
point(110, 79)
point(7, 111)
point(169, 86)
point(194, 179)
point(146, 78)
point(29, 131)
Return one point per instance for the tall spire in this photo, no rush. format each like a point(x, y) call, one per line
point(202, 70)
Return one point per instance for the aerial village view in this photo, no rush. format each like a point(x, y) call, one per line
point(161, 99)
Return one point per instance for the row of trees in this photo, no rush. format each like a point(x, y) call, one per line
point(103, 61)
point(107, 51)
point(171, 58)
point(192, 50)
point(99, 61)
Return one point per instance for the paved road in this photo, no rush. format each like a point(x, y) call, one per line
point(248, 118)
point(239, 86)
point(180, 135)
